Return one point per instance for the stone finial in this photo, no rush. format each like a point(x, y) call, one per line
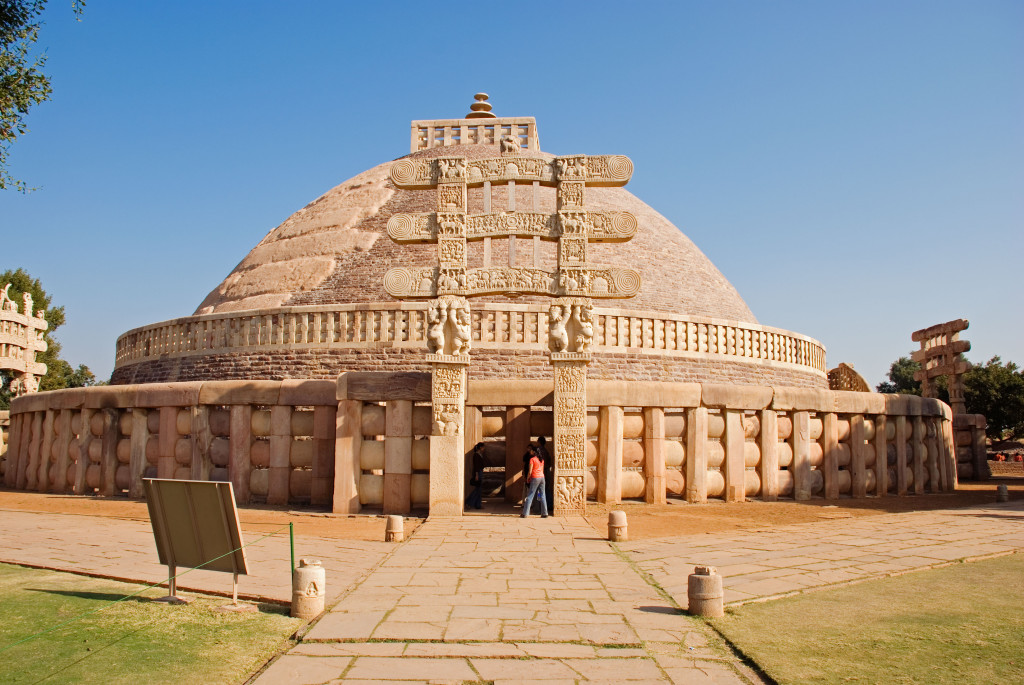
point(481, 109)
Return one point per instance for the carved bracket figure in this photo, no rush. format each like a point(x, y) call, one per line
point(448, 326)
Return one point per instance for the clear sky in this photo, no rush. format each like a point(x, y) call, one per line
point(856, 169)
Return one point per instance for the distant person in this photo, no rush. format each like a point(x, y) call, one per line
point(476, 479)
point(549, 470)
point(535, 483)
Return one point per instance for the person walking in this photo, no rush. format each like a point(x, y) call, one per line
point(549, 472)
point(476, 480)
point(535, 484)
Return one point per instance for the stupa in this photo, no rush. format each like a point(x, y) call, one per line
point(311, 299)
point(477, 290)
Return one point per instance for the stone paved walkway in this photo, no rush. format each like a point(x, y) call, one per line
point(510, 600)
point(779, 561)
point(502, 599)
point(124, 549)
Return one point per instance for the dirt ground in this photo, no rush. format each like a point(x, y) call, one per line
point(645, 521)
point(254, 519)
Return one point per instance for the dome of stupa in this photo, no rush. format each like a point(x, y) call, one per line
point(309, 300)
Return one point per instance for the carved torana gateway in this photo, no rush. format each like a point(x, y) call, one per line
point(21, 338)
point(572, 285)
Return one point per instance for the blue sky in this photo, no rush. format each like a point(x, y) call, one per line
point(856, 169)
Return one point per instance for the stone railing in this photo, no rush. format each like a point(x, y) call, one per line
point(494, 326)
point(447, 132)
point(654, 440)
point(274, 440)
point(361, 443)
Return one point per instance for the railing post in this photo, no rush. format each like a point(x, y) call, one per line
point(734, 439)
point(768, 439)
point(347, 442)
point(801, 442)
point(830, 461)
point(240, 447)
point(881, 456)
point(609, 455)
point(654, 455)
point(697, 455)
point(398, 457)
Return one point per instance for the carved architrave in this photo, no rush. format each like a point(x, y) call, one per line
point(522, 224)
point(597, 170)
point(599, 282)
point(570, 432)
point(426, 227)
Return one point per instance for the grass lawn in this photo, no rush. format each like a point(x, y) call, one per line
point(135, 641)
point(961, 624)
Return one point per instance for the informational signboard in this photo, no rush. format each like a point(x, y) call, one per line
point(195, 524)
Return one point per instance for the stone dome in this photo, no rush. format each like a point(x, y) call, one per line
point(336, 250)
point(309, 301)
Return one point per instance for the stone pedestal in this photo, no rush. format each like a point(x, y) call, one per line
point(447, 453)
point(570, 423)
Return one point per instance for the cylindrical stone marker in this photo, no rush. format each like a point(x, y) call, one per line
point(617, 526)
point(395, 529)
point(1002, 493)
point(704, 591)
point(309, 585)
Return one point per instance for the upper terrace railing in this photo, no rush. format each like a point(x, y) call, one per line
point(495, 326)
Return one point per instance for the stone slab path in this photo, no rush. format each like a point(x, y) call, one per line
point(499, 598)
point(774, 562)
point(506, 600)
point(124, 549)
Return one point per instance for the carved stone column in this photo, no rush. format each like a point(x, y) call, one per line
point(570, 400)
point(447, 463)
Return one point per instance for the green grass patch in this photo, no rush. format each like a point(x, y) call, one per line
point(959, 624)
point(134, 641)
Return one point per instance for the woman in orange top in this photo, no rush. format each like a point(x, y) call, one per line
point(535, 484)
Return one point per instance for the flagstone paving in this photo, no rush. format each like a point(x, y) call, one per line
point(507, 600)
point(766, 563)
point(499, 598)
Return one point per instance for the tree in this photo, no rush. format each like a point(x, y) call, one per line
point(997, 391)
point(59, 373)
point(22, 82)
point(901, 378)
point(993, 389)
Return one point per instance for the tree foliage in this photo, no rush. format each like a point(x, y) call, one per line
point(59, 373)
point(997, 391)
point(22, 81)
point(901, 378)
point(994, 389)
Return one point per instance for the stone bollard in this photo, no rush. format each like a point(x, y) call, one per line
point(1002, 493)
point(395, 530)
point(617, 526)
point(704, 591)
point(309, 585)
